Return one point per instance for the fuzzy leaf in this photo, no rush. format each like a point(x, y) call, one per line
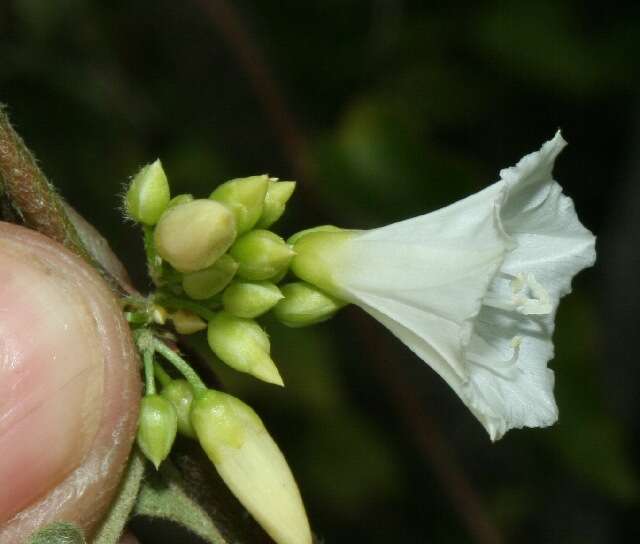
point(115, 521)
point(162, 495)
point(58, 533)
point(189, 492)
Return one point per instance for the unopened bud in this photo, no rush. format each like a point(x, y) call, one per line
point(206, 283)
point(303, 304)
point(251, 464)
point(250, 299)
point(186, 322)
point(194, 235)
point(245, 198)
point(243, 345)
point(179, 199)
point(180, 394)
point(316, 252)
point(293, 239)
point(261, 255)
point(278, 193)
point(157, 426)
point(148, 194)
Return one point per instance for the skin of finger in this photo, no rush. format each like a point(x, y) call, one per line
point(84, 495)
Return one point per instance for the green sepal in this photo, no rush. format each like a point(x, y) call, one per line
point(278, 193)
point(303, 305)
point(250, 299)
point(261, 255)
point(206, 283)
point(245, 198)
point(148, 195)
point(180, 199)
point(180, 394)
point(58, 533)
point(157, 427)
point(243, 345)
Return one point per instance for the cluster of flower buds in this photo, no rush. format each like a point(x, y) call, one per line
point(231, 434)
point(217, 267)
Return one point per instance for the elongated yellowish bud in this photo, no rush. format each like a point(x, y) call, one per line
point(157, 426)
point(148, 195)
point(278, 193)
point(303, 304)
point(194, 235)
point(245, 198)
point(252, 465)
point(180, 395)
point(206, 283)
point(243, 345)
point(250, 299)
point(187, 322)
point(261, 254)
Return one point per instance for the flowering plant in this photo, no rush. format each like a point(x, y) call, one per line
point(472, 289)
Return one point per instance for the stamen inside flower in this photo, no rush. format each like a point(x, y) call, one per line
point(538, 304)
point(505, 368)
point(528, 296)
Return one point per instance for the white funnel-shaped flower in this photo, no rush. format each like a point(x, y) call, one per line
point(472, 288)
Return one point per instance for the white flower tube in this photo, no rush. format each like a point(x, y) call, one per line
point(472, 288)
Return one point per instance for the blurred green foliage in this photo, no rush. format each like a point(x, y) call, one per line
point(405, 107)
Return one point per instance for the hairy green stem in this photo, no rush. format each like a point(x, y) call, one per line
point(149, 381)
point(161, 375)
point(199, 388)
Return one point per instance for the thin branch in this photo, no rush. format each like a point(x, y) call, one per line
point(251, 60)
point(431, 442)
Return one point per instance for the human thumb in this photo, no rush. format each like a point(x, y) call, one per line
point(69, 388)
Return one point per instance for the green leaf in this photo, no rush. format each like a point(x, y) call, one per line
point(188, 491)
point(115, 521)
point(162, 495)
point(58, 533)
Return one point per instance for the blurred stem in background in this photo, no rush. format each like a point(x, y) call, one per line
point(424, 429)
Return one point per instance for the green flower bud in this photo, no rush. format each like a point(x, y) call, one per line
point(157, 426)
point(304, 304)
point(251, 464)
point(180, 394)
point(243, 345)
point(278, 193)
point(148, 194)
point(315, 256)
point(186, 322)
point(250, 299)
point(206, 283)
point(293, 239)
point(261, 255)
point(194, 235)
point(245, 198)
point(179, 199)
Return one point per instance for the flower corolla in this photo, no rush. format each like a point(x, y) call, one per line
point(472, 288)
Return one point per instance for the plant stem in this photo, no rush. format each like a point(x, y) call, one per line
point(177, 303)
point(161, 375)
point(150, 383)
point(199, 388)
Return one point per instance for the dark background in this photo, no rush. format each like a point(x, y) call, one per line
point(381, 110)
